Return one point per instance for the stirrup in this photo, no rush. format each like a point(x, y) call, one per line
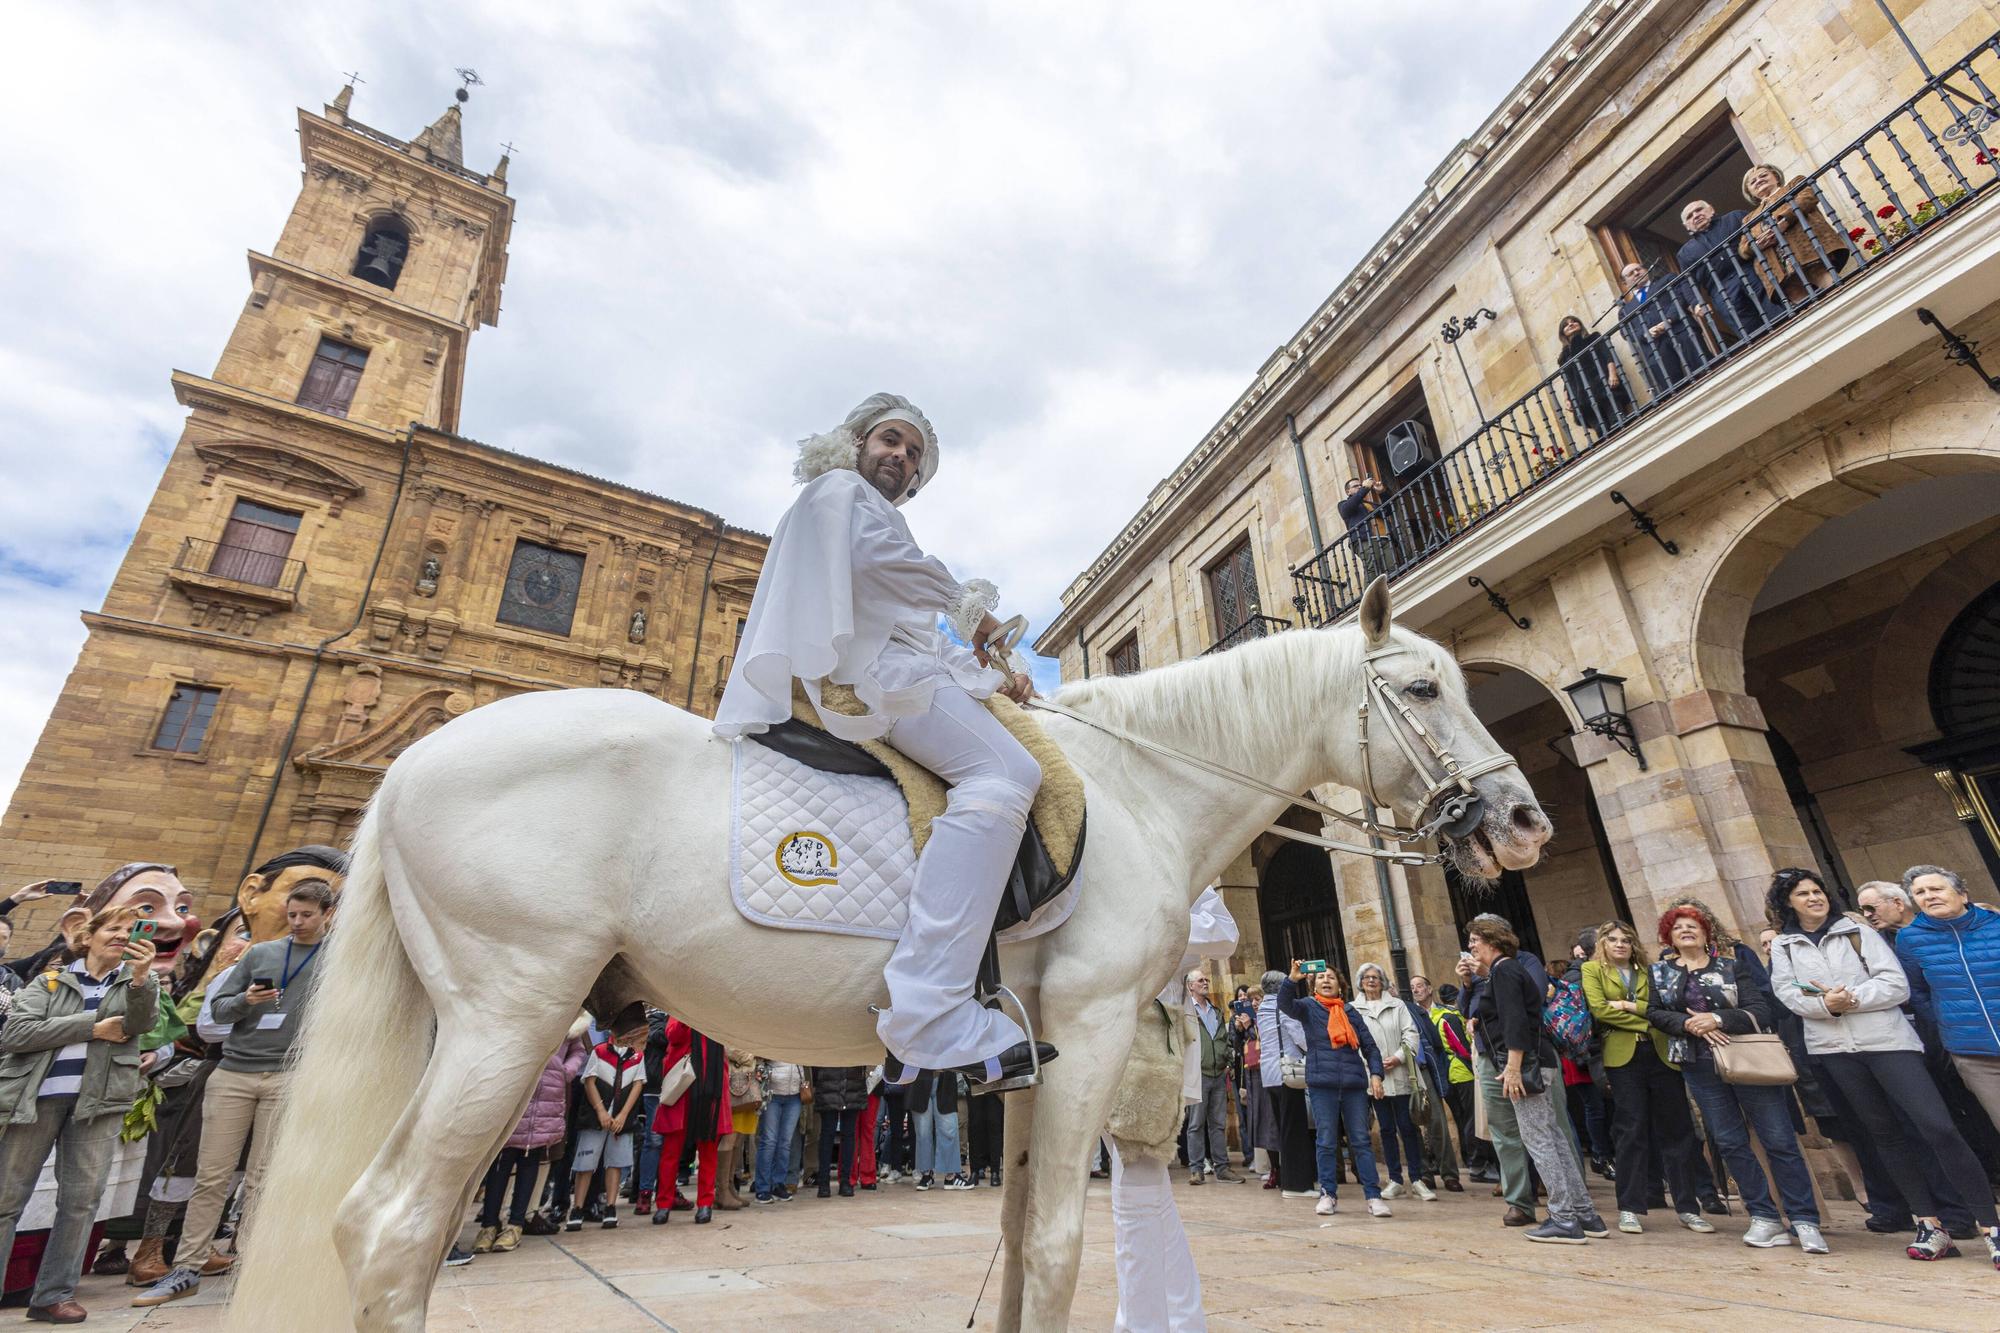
point(992, 999)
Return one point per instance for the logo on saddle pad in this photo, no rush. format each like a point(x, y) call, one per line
point(808, 859)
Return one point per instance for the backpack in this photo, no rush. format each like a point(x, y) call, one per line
point(1566, 1020)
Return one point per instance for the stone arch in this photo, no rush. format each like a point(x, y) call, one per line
point(1818, 481)
point(1902, 679)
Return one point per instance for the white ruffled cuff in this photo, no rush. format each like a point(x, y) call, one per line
point(976, 599)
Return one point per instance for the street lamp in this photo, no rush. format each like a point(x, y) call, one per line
point(1600, 703)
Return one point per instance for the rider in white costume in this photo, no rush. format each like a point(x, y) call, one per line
point(847, 596)
point(1158, 1288)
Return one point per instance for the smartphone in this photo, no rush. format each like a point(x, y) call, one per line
point(143, 930)
point(1311, 965)
point(65, 886)
point(1809, 988)
point(264, 982)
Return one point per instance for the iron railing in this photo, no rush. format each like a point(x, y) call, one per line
point(240, 564)
point(1933, 157)
point(1256, 627)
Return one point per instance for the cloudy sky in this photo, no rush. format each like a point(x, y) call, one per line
point(1072, 232)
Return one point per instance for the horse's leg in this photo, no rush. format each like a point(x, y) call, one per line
point(1072, 1105)
point(1017, 1130)
point(397, 1222)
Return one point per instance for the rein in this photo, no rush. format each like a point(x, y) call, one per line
point(1459, 806)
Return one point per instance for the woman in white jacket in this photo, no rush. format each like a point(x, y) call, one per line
point(1396, 1036)
point(1845, 982)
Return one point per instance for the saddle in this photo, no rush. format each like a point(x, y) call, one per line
point(1052, 844)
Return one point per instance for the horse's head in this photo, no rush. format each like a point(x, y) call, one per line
point(1499, 825)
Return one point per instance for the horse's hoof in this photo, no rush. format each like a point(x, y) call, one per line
point(660, 1217)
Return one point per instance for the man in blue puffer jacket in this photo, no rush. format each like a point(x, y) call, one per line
point(1952, 954)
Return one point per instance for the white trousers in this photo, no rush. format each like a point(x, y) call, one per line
point(1158, 1288)
point(932, 1021)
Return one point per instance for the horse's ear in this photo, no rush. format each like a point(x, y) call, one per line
point(1375, 617)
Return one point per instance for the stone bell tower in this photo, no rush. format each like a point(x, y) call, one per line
point(393, 255)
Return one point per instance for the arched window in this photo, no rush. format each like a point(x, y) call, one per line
point(383, 248)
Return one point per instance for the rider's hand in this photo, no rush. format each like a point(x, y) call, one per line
point(988, 627)
point(1018, 688)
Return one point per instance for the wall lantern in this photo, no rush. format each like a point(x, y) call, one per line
point(1600, 703)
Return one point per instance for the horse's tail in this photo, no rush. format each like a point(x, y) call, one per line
point(362, 1050)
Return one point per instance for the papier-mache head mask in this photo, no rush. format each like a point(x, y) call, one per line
point(841, 446)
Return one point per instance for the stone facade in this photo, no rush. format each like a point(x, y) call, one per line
point(1848, 404)
point(384, 617)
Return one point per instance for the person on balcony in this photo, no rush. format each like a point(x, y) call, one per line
point(1719, 295)
point(1793, 245)
point(1657, 329)
point(1598, 398)
point(1357, 511)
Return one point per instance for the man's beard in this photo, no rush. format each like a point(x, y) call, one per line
point(886, 480)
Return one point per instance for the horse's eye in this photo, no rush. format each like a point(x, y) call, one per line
point(1422, 689)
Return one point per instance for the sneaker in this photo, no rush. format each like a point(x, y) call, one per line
point(1766, 1232)
point(457, 1258)
point(1423, 1191)
point(1227, 1176)
point(176, 1284)
point(610, 1218)
point(1377, 1208)
point(1593, 1226)
point(1326, 1205)
point(1697, 1223)
point(924, 1181)
point(958, 1182)
point(1629, 1224)
point(509, 1239)
point(1993, 1246)
point(1298, 1194)
point(1809, 1238)
point(483, 1242)
point(642, 1202)
point(1557, 1232)
point(763, 1198)
point(575, 1220)
point(1194, 1176)
point(1393, 1190)
point(1931, 1243)
point(781, 1194)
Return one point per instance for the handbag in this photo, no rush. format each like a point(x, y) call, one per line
point(1292, 1071)
point(677, 1080)
point(1755, 1059)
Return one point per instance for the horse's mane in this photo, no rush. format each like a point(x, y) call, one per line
point(1197, 704)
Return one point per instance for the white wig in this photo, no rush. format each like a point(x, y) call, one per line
point(841, 446)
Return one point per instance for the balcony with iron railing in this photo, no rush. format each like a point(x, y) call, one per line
point(1256, 627)
point(204, 568)
point(1869, 207)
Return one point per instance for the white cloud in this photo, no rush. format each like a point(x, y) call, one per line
point(1072, 233)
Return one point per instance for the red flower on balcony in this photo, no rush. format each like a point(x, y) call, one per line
point(1857, 233)
point(1980, 158)
point(1871, 244)
point(1886, 211)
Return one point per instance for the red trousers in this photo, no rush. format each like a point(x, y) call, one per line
point(864, 1147)
point(670, 1166)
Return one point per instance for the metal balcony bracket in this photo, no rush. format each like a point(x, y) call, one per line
point(1644, 522)
point(1499, 603)
point(1958, 350)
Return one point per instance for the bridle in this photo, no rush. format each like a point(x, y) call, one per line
point(1450, 805)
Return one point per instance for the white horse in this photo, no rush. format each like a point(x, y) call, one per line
point(557, 848)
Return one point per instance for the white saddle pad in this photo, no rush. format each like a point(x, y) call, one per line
point(830, 852)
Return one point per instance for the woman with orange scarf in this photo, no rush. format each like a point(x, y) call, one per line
point(1343, 1070)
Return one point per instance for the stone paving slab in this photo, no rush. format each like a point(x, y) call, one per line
point(899, 1260)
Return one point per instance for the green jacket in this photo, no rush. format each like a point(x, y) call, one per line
point(1214, 1050)
point(1621, 1031)
point(47, 1015)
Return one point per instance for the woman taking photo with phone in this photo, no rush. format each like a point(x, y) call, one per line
point(1343, 1071)
point(1700, 1000)
point(69, 1074)
point(1845, 982)
point(1649, 1102)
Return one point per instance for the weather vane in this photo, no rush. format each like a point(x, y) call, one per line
point(468, 80)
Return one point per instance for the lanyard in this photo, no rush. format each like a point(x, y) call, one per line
point(285, 976)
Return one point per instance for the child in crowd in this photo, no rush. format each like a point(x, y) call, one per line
point(613, 1078)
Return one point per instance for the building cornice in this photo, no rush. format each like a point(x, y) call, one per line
point(200, 392)
point(1459, 197)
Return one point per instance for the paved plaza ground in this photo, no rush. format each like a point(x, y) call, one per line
point(898, 1259)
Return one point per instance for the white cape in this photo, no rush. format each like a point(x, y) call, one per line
point(847, 596)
